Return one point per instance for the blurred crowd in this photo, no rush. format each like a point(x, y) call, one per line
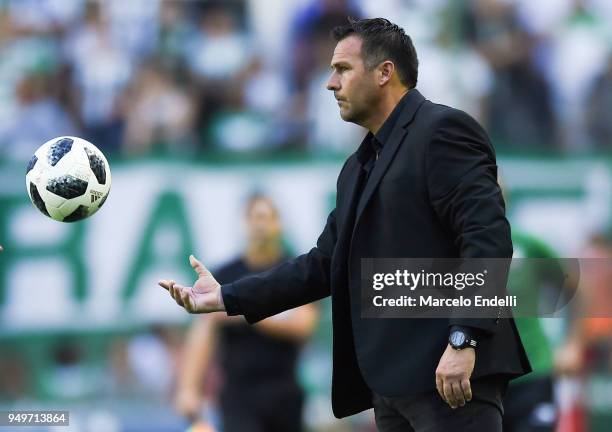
point(73, 366)
point(194, 77)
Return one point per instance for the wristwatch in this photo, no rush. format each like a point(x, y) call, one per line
point(459, 340)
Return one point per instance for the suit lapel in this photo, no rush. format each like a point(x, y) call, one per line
point(350, 202)
point(389, 150)
point(383, 162)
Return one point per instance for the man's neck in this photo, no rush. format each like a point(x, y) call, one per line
point(381, 114)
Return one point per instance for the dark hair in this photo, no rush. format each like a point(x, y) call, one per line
point(383, 40)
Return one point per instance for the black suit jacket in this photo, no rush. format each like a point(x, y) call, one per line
point(433, 192)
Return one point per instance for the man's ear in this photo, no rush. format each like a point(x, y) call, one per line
point(385, 72)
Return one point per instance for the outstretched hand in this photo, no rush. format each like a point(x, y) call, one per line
point(203, 297)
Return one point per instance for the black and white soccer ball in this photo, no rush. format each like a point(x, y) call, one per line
point(68, 179)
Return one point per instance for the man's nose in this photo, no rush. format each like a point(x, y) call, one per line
point(333, 83)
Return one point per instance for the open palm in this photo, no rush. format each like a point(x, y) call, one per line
point(203, 297)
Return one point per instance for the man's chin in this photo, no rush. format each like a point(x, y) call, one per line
point(349, 117)
point(346, 115)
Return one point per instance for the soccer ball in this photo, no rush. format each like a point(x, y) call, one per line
point(68, 179)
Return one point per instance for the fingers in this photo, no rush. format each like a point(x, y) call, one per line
point(458, 394)
point(454, 393)
point(448, 393)
point(175, 293)
point(440, 387)
point(199, 268)
point(466, 387)
point(175, 290)
point(169, 285)
point(185, 299)
point(182, 296)
point(164, 284)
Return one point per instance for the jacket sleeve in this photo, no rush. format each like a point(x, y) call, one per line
point(291, 284)
point(464, 193)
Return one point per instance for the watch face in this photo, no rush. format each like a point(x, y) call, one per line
point(457, 338)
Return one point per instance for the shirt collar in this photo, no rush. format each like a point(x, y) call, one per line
point(385, 130)
point(373, 143)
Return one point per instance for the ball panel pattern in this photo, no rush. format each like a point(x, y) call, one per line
point(67, 186)
point(80, 213)
point(58, 149)
point(37, 200)
point(31, 164)
point(97, 165)
point(102, 201)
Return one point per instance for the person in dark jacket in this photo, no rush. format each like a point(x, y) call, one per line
point(422, 184)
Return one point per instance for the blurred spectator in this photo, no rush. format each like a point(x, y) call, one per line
point(543, 17)
point(174, 32)
point(158, 111)
point(265, 89)
point(254, 114)
point(121, 379)
point(587, 351)
point(101, 70)
point(152, 361)
point(220, 49)
point(519, 111)
point(589, 345)
point(27, 63)
point(41, 16)
point(257, 119)
point(579, 51)
point(70, 376)
point(217, 54)
point(453, 73)
point(599, 107)
point(311, 42)
point(143, 363)
point(38, 119)
point(314, 110)
point(259, 362)
point(134, 25)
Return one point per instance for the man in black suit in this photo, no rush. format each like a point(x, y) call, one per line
point(423, 183)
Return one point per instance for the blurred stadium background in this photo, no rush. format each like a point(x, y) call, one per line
point(198, 103)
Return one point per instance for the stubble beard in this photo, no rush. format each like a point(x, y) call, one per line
point(361, 111)
point(353, 115)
